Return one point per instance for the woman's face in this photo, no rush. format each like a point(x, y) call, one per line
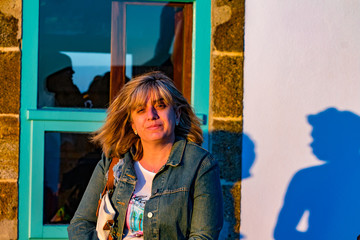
point(155, 121)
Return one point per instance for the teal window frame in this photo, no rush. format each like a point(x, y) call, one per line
point(34, 122)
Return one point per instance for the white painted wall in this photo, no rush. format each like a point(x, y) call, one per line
point(301, 58)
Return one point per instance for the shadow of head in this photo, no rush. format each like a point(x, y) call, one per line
point(336, 135)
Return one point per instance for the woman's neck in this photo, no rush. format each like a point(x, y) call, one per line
point(155, 156)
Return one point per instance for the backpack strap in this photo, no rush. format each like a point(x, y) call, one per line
point(109, 184)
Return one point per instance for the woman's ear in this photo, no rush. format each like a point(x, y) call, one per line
point(134, 129)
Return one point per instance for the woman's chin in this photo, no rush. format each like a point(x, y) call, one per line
point(158, 138)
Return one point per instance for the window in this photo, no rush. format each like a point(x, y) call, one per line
point(74, 54)
point(75, 58)
point(69, 160)
point(77, 49)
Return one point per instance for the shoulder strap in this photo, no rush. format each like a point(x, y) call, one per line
point(110, 182)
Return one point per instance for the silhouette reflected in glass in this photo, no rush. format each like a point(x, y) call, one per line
point(60, 82)
point(163, 48)
point(325, 198)
point(59, 89)
point(171, 27)
point(74, 36)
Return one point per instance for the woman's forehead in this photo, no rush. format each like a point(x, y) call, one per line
point(152, 96)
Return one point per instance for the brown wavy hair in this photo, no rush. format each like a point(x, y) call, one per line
point(116, 136)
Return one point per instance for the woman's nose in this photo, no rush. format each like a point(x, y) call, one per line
point(152, 114)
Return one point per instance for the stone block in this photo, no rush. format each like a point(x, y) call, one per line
point(9, 147)
point(228, 17)
point(8, 229)
point(9, 82)
point(8, 31)
point(227, 86)
point(8, 201)
point(11, 7)
point(232, 197)
point(227, 148)
point(227, 125)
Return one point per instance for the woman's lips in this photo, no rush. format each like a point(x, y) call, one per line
point(154, 126)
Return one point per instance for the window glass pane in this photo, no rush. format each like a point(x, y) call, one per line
point(148, 36)
point(69, 162)
point(81, 41)
point(74, 53)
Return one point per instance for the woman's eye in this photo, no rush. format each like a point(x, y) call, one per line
point(140, 110)
point(160, 106)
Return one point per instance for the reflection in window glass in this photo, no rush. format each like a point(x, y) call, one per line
point(80, 42)
point(149, 36)
point(86, 66)
point(69, 162)
point(74, 53)
point(152, 31)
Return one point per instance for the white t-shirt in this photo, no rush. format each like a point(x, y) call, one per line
point(135, 212)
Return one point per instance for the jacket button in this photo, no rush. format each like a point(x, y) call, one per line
point(150, 215)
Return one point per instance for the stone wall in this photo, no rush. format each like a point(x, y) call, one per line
point(226, 95)
point(10, 35)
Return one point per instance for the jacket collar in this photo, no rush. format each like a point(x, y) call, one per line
point(129, 174)
point(177, 152)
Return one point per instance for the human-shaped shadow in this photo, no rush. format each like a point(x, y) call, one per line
point(168, 54)
point(327, 194)
point(245, 143)
point(248, 158)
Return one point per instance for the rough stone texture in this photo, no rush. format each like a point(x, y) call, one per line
point(9, 147)
point(8, 210)
point(8, 31)
point(10, 34)
point(231, 228)
point(226, 104)
point(11, 7)
point(232, 27)
point(230, 126)
point(8, 229)
point(8, 200)
point(227, 86)
point(226, 142)
point(9, 82)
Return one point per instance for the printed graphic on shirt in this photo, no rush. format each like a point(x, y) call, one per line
point(135, 215)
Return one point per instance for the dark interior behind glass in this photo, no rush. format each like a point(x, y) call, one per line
point(69, 161)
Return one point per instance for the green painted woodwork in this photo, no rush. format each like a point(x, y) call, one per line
point(75, 115)
point(28, 101)
point(48, 238)
point(34, 122)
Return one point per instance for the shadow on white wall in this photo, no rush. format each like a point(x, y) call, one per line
point(322, 202)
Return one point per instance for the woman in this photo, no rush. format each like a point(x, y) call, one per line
point(166, 186)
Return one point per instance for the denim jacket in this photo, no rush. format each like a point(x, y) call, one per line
point(185, 203)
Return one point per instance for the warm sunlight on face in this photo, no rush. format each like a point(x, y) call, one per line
point(155, 121)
